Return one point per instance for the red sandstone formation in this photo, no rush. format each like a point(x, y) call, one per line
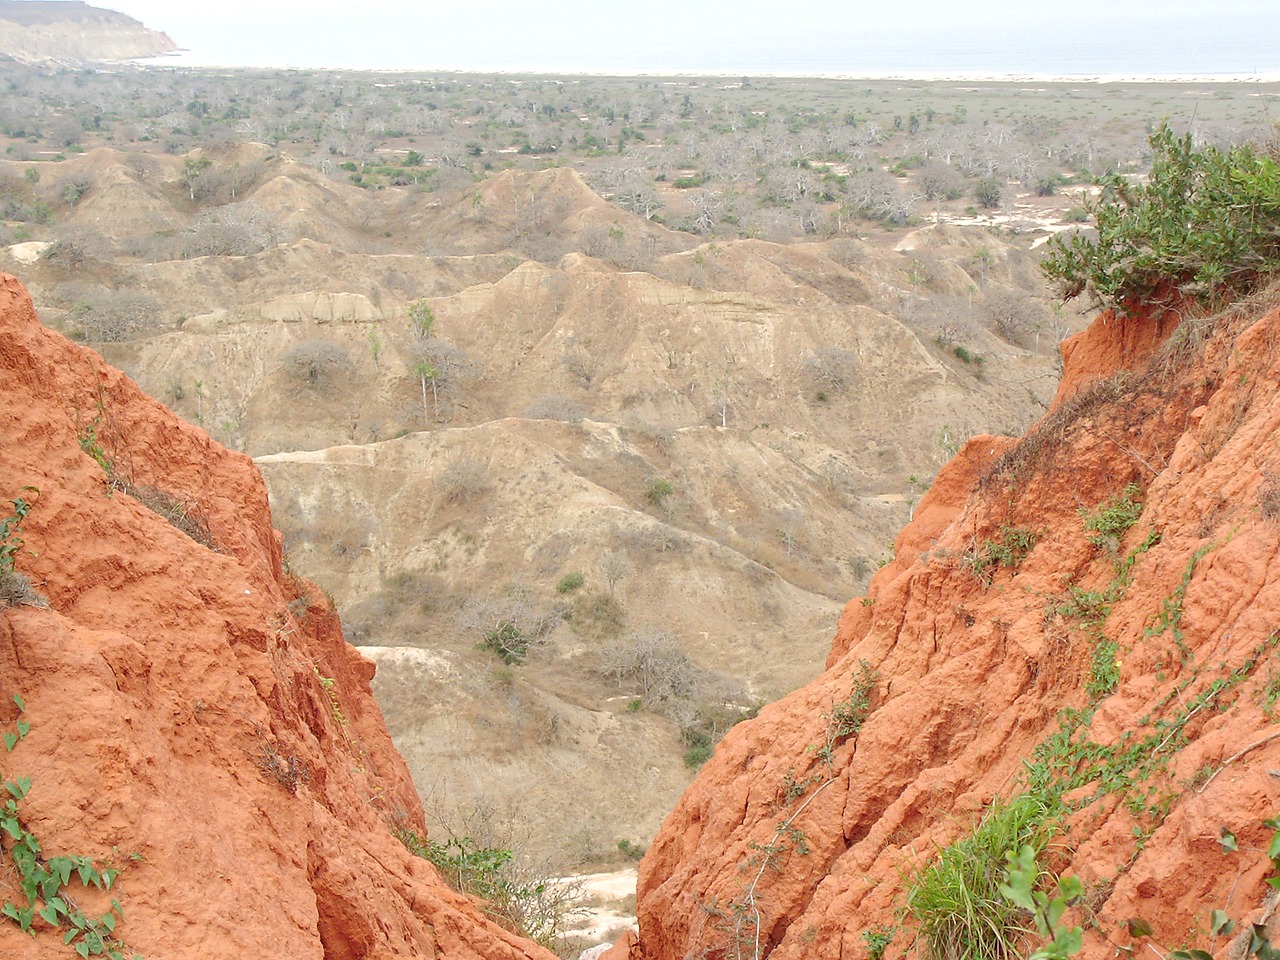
point(771, 852)
point(194, 705)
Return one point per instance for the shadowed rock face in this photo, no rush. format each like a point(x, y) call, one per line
point(192, 703)
point(972, 678)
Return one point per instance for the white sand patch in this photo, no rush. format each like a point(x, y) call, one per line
point(30, 251)
point(606, 905)
point(435, 663)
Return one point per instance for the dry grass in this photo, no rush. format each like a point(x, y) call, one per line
point(288, 771)
point(1269, 495)
point(461, 479)
point(1032, 451)
point(16, 591)
point(186, 515)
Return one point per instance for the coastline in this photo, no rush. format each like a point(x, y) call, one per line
point(178, 59)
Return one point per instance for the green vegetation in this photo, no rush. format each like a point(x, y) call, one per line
point(1170, 617)
point(570, 582)
point(659, 490)
point(845, 719)
point(670, 683)
point(47, 902)
point(510, 624)
point(15, 588)
point(630, 849)
point(1104, 670)
point(1109, 522)
point(1008, 550)
point(877, 941)
point(1022, 876)
point(957, 900)
point(1021, 888)
point(741, 919)
point(509, 641)
point(1207, 223)
point(534, 907)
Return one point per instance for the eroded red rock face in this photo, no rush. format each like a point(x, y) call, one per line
point(195, 706)
point(773, 852)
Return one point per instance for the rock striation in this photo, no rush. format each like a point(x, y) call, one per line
point(1123, 670)
point(190, 702)
point(73, 32)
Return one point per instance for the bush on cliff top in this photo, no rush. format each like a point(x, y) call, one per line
point(1207, 223)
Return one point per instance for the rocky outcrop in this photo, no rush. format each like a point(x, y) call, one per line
point(1127, 677)
point(70, 32)
point(189, 701)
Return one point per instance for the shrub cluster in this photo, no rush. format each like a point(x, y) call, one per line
point(1207, 223)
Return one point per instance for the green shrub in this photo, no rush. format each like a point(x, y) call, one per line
point(630, 850)
point(15, 587)
point(570, 582)
point(1207, 222)
point(532, 905)
point(1008, 550)
point(1110, 521)
point(658, 491)
point(957, 899)
point(989, 192)
point(508, 641)
point(698, 753)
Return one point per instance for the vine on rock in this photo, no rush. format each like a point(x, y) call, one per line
point(45, 884)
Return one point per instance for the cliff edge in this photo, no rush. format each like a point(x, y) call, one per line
point(196, 719)
point(72, 32)
point(1074, 644)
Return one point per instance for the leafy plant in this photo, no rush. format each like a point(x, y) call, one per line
point(658, 491)
point(1022, 877)
point(15, 588)
point(1109, 522)
point(1207, 222)
point(44, 884)
point(570, 582)
point(957, 899)
point(877, 940)
point(1104, 672)
point(1008, 550)
point(846, 718)
point(534, 907)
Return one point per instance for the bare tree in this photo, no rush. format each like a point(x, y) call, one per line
point(615, 565)
point(830, 368)
point(316, 361)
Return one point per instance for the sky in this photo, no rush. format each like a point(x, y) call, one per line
point(852, 37)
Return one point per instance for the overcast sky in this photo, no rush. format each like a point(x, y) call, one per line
point(817, 36)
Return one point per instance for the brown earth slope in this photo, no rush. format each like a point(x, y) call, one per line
point(192, 704)
point(1162, 639)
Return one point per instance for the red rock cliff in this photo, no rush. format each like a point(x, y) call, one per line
point(195, 706)
point(772, 852)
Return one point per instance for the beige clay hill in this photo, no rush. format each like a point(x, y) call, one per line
point(796, 399)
